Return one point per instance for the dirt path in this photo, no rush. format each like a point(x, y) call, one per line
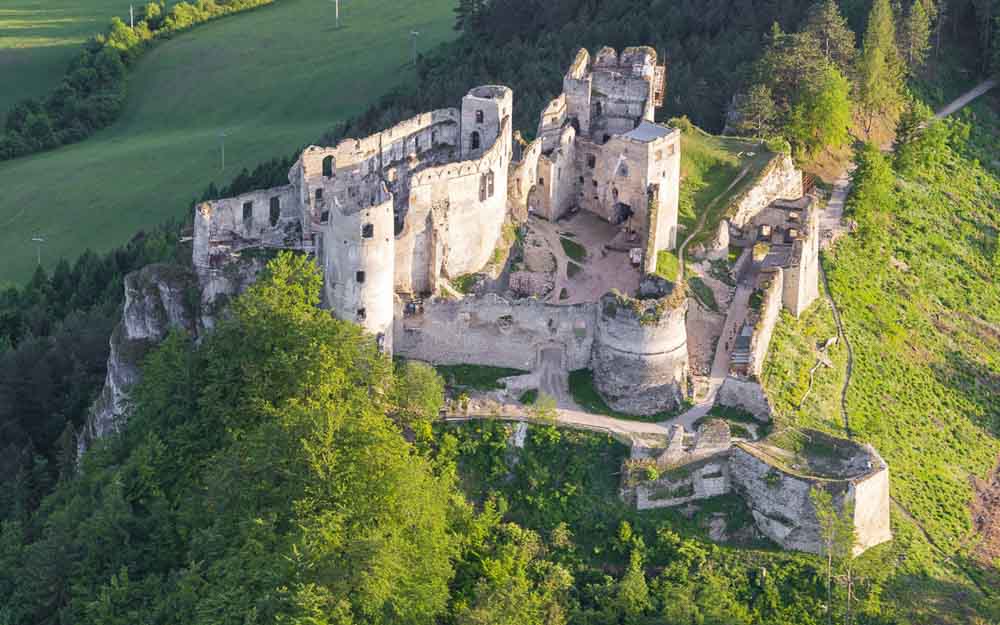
point(701, 222)
point(959, 103)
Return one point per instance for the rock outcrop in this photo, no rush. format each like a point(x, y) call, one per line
point(158, 298)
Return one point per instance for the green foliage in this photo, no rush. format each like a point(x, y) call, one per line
point(262, 504)
point(667, 265)
point(880, 71)
point(529, 396)
point(478, 377)
point(757, 112)
point(835, 37)
point(704, 293)
point(822, 116)
point(573, 249)
point(916, 35)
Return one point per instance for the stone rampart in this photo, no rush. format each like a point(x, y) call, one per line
point(746, 395)
point(640, 358)
point(770, 288)
point(490, 330)
point(778, 180)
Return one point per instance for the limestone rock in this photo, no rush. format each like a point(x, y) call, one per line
point(718, 247)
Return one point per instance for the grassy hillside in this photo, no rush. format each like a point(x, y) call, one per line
point(272, 79)
point(38, 38)
point(918, 292)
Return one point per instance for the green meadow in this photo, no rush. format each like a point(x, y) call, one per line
point(272, 80)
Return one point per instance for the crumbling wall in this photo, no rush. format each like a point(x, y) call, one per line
point(801, 286)
point(640, 353)
point(746, 395)
point(557, 187)
point(269, 218)
point(522, 197)
point(358, 267)
point(490, 330)
point(771, 287)
point(691, 482)
point(783, 509)
point(779, 180)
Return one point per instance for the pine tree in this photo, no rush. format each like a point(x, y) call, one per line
point(833, 33)
point(880, 80)
point(916, 36)
point(757, 111)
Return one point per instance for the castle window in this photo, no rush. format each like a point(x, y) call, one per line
point(670, 150)
point(361, 314)
point(475, 140)
point(368, 231)
point(614, 194)
point(482, 187)
point(598, 109)
point(416, 143)
point(517, 183)
point(489, 183)
point(595, 184)
point(623, 170)
point(275, 211)
point(606, 137)
point(434, 138)
point(360, 277)
point(247, 211)
point(479, 117)
point(352, 191)
point(541, 180)
point(328, 167)
point(325, 217)
point(591, 161)
point(319, 195)
point(581, 179)
point(658, 155)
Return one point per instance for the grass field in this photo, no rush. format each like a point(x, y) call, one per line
point(38, 38)
point(273, 80)
point(709, 165)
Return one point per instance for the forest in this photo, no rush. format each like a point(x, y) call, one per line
point(262, 480)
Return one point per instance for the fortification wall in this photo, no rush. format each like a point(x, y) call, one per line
point(640, 353)
point(557, 188)
point(699, 480)
point(484, 110)
point(871, 506)
point(779, 180)
point(784, 511)
point(469, 200)
point(801, 287)
point(490, 330)
point(746, 395)
point(358, 254)
point(771, 285)
point(268, 217)
point(522, 192)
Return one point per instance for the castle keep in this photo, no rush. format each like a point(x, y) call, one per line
point(391, 216)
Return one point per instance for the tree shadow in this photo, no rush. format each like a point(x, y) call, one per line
point(977, 383)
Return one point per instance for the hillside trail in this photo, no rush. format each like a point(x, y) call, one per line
point(832, 226)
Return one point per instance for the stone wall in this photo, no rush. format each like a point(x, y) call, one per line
point(746, 395)
point(801, 287)
point(783, 509)
point(640, 358)
point(490, 330)
point(357, 256)
point(770, 285)
point(778, 180)
point(699, 480)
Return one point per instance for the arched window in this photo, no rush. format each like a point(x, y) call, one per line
point(275, 211)
point(247, 211)
point(479, 117)
point(328, 167)
point(475, 140)
point(598, 109)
